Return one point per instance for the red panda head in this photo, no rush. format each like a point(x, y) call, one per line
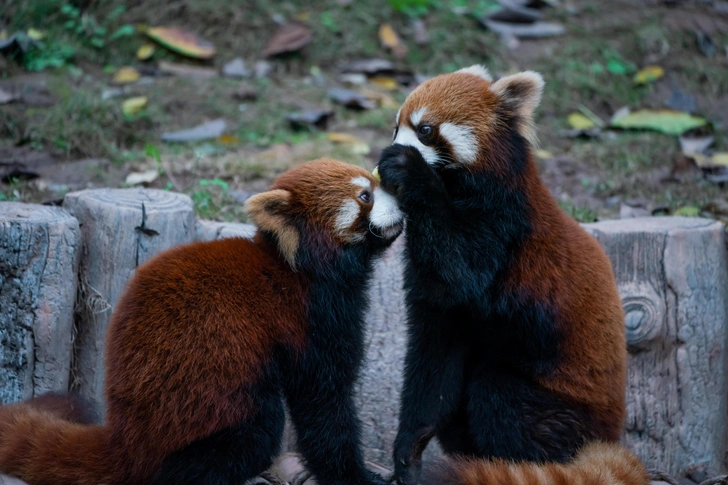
point(456, 118)
point(342, 201)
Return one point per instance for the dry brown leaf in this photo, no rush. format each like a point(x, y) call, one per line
point(182, 42)
point(389, 38)
point(386, 83)
point(185, 70)
point(289, 37)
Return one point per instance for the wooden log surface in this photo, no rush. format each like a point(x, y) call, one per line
point(122, 228)
point(39, 249)
point(672, 277)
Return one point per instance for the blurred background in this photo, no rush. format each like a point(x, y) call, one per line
point(214, 99)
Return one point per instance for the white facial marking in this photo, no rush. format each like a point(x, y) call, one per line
point(396, 119)
point(417, 115)
point(361, 182)
point(406, 136)
point(385, 216)
point(476, 70)
point(347, 215)
point(463, 142)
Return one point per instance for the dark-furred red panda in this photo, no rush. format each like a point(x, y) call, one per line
point(208, 339)
point(516, 340)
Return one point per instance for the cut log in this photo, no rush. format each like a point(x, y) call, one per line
point(122, 228)
point(39, 250)
point(672, 278)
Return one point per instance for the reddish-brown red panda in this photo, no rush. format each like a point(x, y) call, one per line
point(209, 338)
point(516, 346)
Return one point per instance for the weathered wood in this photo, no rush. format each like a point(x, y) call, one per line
point(673, 281)
point(39, 249)
point(122, 228)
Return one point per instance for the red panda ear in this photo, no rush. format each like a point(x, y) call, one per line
point(267, 211)
point(520, 94)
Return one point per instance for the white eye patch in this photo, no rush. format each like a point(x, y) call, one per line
point(406, 136)
point(361, 182)
point(462, 140)
point(416, 116)
point(348, 213)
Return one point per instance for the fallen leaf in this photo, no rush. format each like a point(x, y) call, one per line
point(688, 211)
point(386, 83)
point(351, 98)
point(205, 131)
point(649, 74)
point(665, 121)
point(289, 37)
point(35, 34)
point(182, 42)
point(380, 98)
point(145, 52)
point(126, 75)
point(357, 145)
point(228, 139)
point(695, 145)
point(134, 105)
point(720, 159)
point(544, 154)
point(8, 96)
point(147, 177)
point(310, 118)
point(578, 121)
point(185, 70)
point(370, 67)
point(389, 38)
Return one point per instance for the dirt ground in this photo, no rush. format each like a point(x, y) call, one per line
point(63, 128)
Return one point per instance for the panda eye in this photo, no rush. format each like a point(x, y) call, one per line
point(366, 196)
point(424, 131)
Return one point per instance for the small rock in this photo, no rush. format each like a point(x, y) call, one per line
point(236, 68)
point(107, 94)
point(137, 178)
point(8, 96)
point(695, 145)
point(245, 92)
point(263, 69)
point(205, 131)
point(369, 67)
point(631, 208)
point(525, 31)
point(353, 78)
point(186, 70)
point(681, 101)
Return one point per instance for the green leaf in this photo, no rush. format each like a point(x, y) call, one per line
point(218, 182)
point(97, 42)
point(123, 31)
point(664, 121)
point(688, 211)
point(153, 152)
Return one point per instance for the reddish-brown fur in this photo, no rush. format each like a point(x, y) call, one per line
point(193, 331)
point(596, 464)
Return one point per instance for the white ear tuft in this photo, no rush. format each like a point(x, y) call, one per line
point(476, 70)
point(266, 210)
point(520, 94)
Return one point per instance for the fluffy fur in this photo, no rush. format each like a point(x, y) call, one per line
point(516, 345)
point(210, 337)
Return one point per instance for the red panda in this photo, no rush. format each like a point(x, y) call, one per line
point(209, 338)
point(516, 340)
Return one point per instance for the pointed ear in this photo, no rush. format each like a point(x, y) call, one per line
point(476, 70)
point(267, 211)
point(520, 95)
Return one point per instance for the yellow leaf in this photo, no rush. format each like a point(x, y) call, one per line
point(544, 154)
point(132, 106)
point(649, 74)
point(142, 28)
point(386, 83)
point(357, 145)
point(375, 173)
point(228, 139)
point(580, 122)
point(145, 52)
point(3, 34)
point(35, 34)
point(720, 159)
point(388, 36)
point(182, 42)
point(126, 75)
point(302, 16)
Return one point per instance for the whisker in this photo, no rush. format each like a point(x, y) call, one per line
point(372, 231)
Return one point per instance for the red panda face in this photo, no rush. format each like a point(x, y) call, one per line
point(343, 201)
point(452, 118)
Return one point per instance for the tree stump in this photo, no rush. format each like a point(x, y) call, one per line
point(673, 281)
point(122, 228)
point(39, 249)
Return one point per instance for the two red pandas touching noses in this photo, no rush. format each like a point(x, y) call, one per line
point(516, 353)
